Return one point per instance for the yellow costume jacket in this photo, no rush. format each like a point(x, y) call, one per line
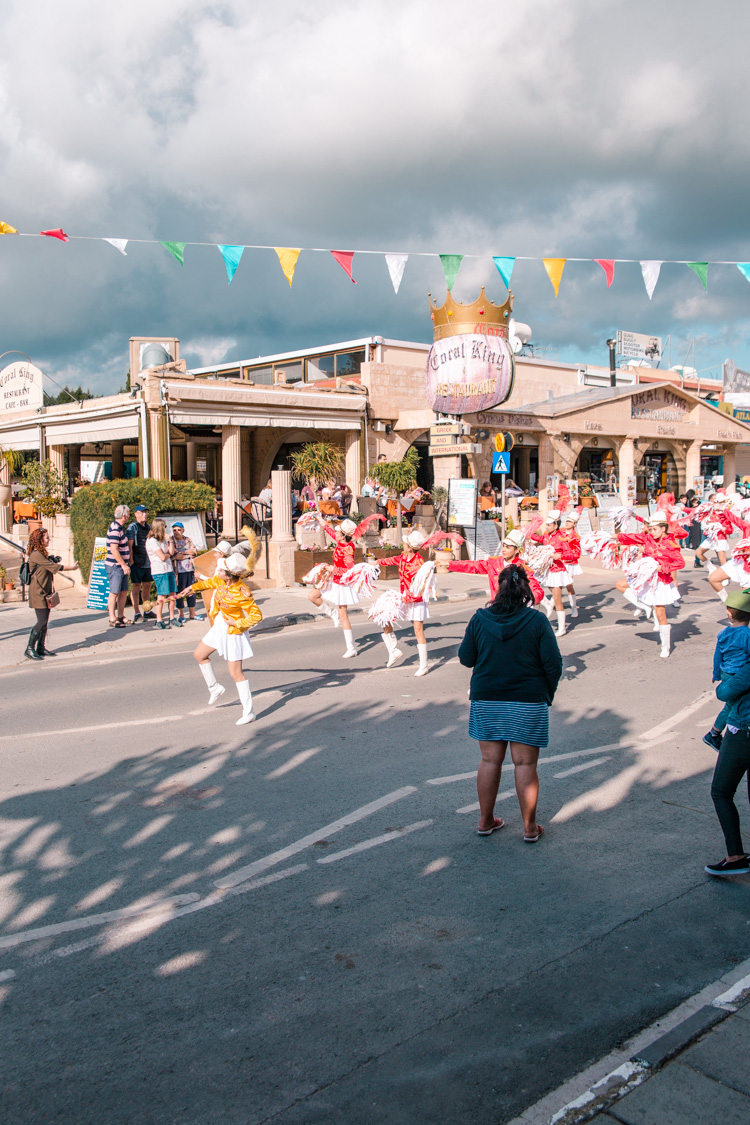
point(233, 600)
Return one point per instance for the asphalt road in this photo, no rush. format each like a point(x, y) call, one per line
point(310, 929)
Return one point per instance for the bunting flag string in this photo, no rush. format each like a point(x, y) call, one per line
point(395, 262)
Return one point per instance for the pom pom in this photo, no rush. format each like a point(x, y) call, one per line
point(539, 559)
point(642, 575)
point(388, 609)
point(424, 583)
point(321, 576)
point(362, 578)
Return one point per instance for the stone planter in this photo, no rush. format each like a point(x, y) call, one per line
point(442, 559)
point(390, 535)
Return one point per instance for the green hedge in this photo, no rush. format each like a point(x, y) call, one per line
point(92, 508)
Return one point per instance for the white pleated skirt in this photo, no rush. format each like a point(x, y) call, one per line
point(736, 572)
point(232, 646)
point(557, 578)
point(716, 544)
point(416, 611)
point(666, 593)
point(574, 569)
point(336, 594)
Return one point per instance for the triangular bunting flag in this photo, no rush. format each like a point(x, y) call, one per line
point(288, 261)
point(608, 265)
point(701, 268)
point(744, 268)
point(6, 228)
point(344, 259)
point(396, 264)
point(451, 264)
point(554, 268)
point(59, 233)
point(650, 271)
point(231, 256)
point(177, 250)
point(118, 243)
point(505, 268)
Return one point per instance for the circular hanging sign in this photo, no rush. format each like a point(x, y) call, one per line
point(469, 373)
point(20, 388)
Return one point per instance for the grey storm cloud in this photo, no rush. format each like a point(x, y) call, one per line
point(578, 129)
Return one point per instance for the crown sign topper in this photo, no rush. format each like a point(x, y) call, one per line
point(470, 366)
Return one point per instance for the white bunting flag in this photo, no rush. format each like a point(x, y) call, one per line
point(118, 243)
point(650, 271)
point(396, 264)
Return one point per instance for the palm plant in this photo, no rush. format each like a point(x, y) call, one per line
point(318, 460)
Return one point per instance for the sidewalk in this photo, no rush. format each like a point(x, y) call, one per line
point(76, 631)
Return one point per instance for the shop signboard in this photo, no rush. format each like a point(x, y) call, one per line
point(469, 373)
point(20, 389)
point(633, 345)
point(552, 486)
point(485, 542)
point(659, 405)
point(464, 447)
point(733, 378)
point(193, 526)
point(462, 502)
point(98, 580)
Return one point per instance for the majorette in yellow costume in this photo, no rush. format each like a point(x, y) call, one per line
point(232, 613)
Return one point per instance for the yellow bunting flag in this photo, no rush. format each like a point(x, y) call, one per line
point(6, 228)
point(554, 268)
point(288, 261)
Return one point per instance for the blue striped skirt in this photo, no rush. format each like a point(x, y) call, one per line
point(500, 721)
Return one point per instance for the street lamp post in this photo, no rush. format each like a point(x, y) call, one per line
point(612, 344)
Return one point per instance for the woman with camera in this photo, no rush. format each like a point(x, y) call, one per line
point(42, 597)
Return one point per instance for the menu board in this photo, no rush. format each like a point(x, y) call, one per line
point(98, 580)
point(462, 502)
point(483, 540)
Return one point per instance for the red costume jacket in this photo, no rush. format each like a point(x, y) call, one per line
point(574, 545)
point(664, 550)
point(492, 568)
point(559, 541)
point(343, 555)
point(407, 569)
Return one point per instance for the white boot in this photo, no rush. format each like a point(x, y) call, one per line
point(665, 632)
point(711, 567)
point(548, 605)
point(331, 611)
point(215, 690)
point(423, 669)
point(573, 606)
point(656, 626)
point(629, 596)
point(246, 699)
point(350, 648)
point(393, 652)
point(641, 608)
point(723, 595)
point(560, 631)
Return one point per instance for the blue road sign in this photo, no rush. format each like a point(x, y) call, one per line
point(501, 462)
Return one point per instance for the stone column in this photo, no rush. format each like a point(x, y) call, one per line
point(157, 426)
point(6, 501)
point(283, 545)
point(626, 459)
point(353, 474)
point(730, 466)
point(246, 454)
point(692, 462)
point(444, 469)
point(230, 476)
point(192, 473)
point(118, 460)
point(56, 454)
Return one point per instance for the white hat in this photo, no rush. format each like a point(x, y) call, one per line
point(415, 539)
point(515, 538)
point(659, 517)
point(348, 527)
point(236, 564)
point(554, 515)
point(572, 516)
point(224, 546)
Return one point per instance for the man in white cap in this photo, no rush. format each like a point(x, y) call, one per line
point(658, 544)
point(408, 563)
point(557, 576)
point(510, 555)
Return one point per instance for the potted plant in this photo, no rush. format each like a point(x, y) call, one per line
point(44, 488)
point(318, 460)
point(398, 477)
point(12, 460)
point(586, 496)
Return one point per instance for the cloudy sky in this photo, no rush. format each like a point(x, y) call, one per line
point(598, 128)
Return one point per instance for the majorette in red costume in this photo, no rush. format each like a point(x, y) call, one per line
point(341, 583)
point(493, 567)
point(716, 520)
point(650, 582)
point(550, 567)
point(737, 569)
point(573, 565)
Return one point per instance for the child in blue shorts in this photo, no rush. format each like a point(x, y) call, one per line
point(731, 654)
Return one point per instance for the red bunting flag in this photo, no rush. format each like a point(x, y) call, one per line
point(608, 265)
point(344, 259)
point(59, 233)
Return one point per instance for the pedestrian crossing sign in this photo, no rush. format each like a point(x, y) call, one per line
point(501, 462)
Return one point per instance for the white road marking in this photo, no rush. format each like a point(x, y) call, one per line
point(583, 766)
point(475, 806)
point(376, 841)
point(451, 778)
point(12, 940)
point(245, 873)
point(8, 974)
point(729, 1000)
point(696, 705)
point(99, 726)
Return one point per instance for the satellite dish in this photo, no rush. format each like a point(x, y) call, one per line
point(518, 335)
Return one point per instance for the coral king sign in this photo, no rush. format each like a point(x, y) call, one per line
point(470, 366)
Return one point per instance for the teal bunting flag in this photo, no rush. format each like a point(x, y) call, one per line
point(744, 268)
point(505, 268)
point(451, 264)
point(177, 250)
point(231, 256)
point(701, 268)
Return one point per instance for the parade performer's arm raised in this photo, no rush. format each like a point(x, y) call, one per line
point(650, 582)
point(416, 583)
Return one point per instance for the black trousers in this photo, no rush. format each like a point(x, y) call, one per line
point(42, 618)
point(733, 763)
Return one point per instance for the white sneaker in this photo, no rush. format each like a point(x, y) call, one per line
point(349, 653)
point(247, 717)
point(638, 612)
point(216, 692)
point(574, 612)
point(395, 653)
point(422, 670)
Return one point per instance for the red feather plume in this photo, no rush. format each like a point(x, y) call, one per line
point(360, 528)
point(440, 537)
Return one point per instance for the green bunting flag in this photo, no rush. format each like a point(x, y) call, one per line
point(177, 250)
point(701, 268)
point(451, 264)
point(231, 256)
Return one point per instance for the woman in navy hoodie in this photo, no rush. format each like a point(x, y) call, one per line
point(517, 667)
